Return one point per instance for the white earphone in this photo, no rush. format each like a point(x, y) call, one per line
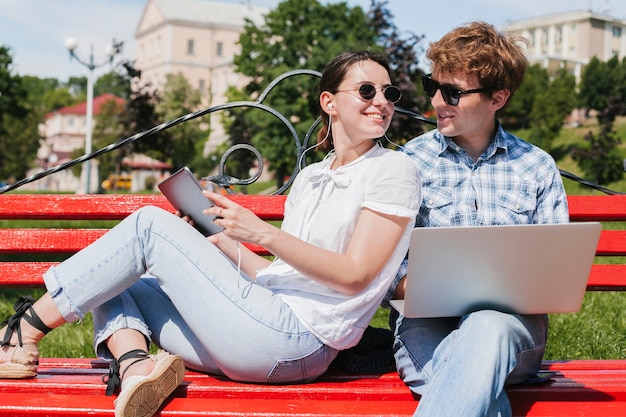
point(330, 107)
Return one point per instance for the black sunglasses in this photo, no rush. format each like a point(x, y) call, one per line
point(368, 91)
point(451, 95)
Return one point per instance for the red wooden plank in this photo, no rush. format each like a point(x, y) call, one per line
point(607, 277)
point(612, 243)
point(68, 405)
point(112, 206)
point(594, 388)
point(76, 206)
point(602, 277)
point(45, 241)
point(597, 208)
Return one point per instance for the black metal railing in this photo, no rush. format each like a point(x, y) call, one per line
point(228, 181)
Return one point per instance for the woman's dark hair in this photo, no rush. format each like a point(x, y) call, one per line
point(332, 77)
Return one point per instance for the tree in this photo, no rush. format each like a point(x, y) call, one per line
point(598, 83)
point(296, 34)
point(77, 87)
point(550, 108)
point(46, 94)
point(182, 141)
point(403, 51)
point(19, 136)
point(114, 83)
point(600, 160)
point(108, 129)
point(517, 114)
point(139, 115)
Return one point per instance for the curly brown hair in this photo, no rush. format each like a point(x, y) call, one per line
point(478, 48)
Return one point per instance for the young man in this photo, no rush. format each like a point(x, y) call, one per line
point(475, 173)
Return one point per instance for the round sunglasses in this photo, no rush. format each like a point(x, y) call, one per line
point(451, 95)
point(367, 91)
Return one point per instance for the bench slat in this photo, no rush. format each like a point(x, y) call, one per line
point(113, 206)
point(28, 274)
point(57, 405)
point(579, 387)
point(597, 207)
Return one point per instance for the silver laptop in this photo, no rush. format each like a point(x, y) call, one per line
point(525, 269)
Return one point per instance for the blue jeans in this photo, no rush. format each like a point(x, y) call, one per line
point(156, 274)
point(461, 365)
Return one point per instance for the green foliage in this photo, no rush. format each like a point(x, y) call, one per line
point(46, 94)
point(598, 82)
point(402, 49)
point(181, 141)
point(600, 160)
point(550, 108)
point(299, 34)
point(296, 34)
point(114, 83)
point(19, 135)
point(536, 81)
point(108, 128)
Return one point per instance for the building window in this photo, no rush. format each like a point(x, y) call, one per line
point(617, 32)
point(190, 47)
point(559, 35)
point(219, 49)
point(202, 87)
point(544, 36)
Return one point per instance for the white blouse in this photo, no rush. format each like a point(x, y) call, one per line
point(322, 208)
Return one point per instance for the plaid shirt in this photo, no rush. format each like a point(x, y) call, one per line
point(513, 182)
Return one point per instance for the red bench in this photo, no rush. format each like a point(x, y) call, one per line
point(73, 387)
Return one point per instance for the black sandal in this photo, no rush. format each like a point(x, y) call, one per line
point(114, 380)
point(25, 357)
point(142, 396)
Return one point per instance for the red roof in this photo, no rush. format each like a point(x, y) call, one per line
point(81, 108)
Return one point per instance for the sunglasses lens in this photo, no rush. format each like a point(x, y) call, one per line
point(450, 95)
point(367, 91)
point(430, 86)
point(392, 94)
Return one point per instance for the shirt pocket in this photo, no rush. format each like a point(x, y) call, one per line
point(517, 206)
point(437, 207)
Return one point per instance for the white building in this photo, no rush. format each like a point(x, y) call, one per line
point(197, 39)
point(63, 131)
point(571, 39)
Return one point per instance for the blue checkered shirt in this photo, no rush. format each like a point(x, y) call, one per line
point(513, 182)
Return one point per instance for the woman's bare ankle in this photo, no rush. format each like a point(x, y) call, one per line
point(139, 368)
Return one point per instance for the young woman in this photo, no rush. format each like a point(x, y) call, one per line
point(154, 278)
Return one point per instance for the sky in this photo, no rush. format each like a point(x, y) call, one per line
point(36, 30)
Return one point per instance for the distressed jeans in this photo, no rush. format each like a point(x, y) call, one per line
point(460, 366)
point(155, 273)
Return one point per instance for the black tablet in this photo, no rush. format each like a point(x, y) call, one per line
point(183, 190)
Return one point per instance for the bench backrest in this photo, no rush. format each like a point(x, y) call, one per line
point(42, 242)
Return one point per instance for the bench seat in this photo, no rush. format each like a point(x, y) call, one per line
point(67, 387)
point(74, 387)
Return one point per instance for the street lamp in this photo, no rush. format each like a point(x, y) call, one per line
point(111, 50)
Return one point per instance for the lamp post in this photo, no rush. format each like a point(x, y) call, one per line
point(112, 50)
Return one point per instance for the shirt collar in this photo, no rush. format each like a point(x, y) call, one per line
point(499, 141)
